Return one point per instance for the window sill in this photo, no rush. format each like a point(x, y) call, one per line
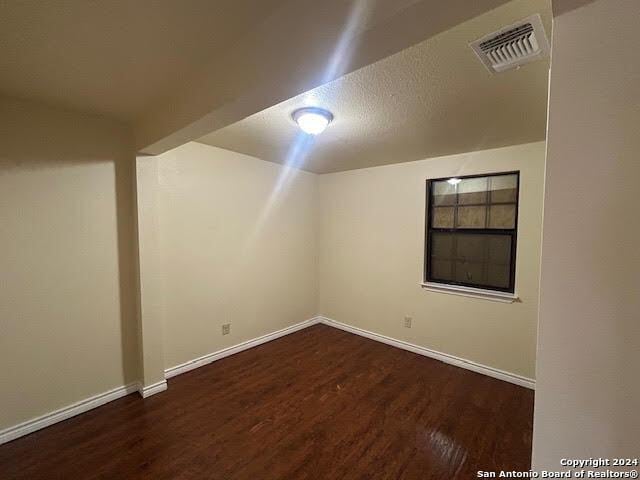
point(503, 297)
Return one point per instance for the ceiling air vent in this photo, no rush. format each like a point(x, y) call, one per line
point(515, 45)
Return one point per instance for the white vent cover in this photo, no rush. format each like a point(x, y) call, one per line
point(515, 45)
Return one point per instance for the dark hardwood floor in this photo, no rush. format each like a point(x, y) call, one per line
point(318, 404)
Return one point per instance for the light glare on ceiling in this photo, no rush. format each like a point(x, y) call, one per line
point(312, 120)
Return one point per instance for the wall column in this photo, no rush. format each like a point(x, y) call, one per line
point(587, 387)
point(150, 277)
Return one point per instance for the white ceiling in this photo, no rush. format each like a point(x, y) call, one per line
point(165, 66)
point(174, 70)
point(115, 58)
point(434, 98)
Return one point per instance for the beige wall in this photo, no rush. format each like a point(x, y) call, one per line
point(150, 274)
point(371, 259)
point(67, 286)
point(230, 250)
point(589, 339)
point(224, 238)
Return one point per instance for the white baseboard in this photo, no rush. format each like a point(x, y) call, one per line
point(427, 352)
point(152, 389)
point(90, 403)
point(225, 352)
point(11, 433)
point(64, 413)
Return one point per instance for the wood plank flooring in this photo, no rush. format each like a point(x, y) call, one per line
point(317, 404)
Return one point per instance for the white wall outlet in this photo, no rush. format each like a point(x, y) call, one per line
point(407, 321)
point(226, 329)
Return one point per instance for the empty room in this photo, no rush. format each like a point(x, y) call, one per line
point(291, 239)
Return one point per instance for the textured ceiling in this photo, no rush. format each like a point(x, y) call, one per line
point(176, 69)
point(302, 45)
point(115, 57)
point(434, 98)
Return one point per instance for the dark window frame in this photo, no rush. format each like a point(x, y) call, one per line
point(429, 229)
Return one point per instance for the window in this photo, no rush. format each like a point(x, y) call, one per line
point(472, 230)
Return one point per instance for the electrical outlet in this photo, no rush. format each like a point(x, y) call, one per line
point(407, 322)
point(226, 329)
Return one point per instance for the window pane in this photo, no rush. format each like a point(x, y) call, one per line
point(442, 270)
point(504, 188)
point(442, 246)
point(502, 216)
point(443, 217)
point(498, 276)
point(472, 190)
point(472, 217)
point(499, 249)
point(470, 272)
point(443, 193)
point(476, 259)
point(471, 247)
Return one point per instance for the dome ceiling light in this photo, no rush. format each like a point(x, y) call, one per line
point(312, 120)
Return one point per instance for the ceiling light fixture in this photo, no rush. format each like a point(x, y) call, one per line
point(312, 120)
